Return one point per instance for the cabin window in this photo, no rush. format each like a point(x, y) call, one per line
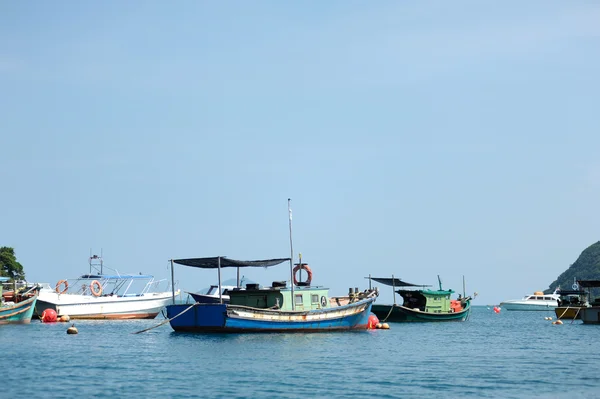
point(314, 298)
point(298, 300)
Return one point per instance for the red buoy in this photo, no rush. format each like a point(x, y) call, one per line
point(496, 309)
point(49, 316)
point(373, 321)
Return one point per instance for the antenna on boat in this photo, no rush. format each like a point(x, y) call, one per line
point(99, 262)
point(440, 282)
point(291, 253)
point(464, 291)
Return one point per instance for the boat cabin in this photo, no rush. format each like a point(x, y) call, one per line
point(279, 296)
point(432, 301)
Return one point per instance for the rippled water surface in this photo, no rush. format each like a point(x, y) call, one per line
point(506, 355)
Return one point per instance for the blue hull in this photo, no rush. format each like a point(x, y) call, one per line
point(227, 318)
point(19, 313)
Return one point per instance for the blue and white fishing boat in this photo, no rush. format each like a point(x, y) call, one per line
point(299, 307)
point(20, 309)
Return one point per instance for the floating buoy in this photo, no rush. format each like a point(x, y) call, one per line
point(72, 330)
point(557, 322)
point(385, 326)
point(378, 325)
point(373, 321)
point(64, 318)
point(496, 309)
point(49, 316)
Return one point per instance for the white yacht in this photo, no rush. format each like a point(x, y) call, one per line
point(537, 301)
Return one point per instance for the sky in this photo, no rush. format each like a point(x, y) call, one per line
point(414, 139)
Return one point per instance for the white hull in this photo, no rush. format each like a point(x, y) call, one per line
point(528, 306)
point(145, 306)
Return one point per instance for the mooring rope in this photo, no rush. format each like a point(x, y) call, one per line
point(389, 313)
point(567, 308)
point(166, 321)
point(575, 315)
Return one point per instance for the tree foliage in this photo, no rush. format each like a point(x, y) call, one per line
point(9, 267)
point(586, 267)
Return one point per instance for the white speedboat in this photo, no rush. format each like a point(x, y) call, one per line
point(106, 296)
point(212, 294)
point(537, 301)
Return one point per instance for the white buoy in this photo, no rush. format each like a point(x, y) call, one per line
point(65, 318)
point(385, 326)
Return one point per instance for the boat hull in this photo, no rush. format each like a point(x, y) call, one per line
point(224, 318)
point(590, 315)
point(19, 313)
point(399, 314)
point(527, 306)
point(146, 306)
point(568, 312)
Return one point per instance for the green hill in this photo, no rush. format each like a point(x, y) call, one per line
point(586, 267)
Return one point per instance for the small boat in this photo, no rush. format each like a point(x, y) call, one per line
point(105, 296)
point(19, 310)
point(299, 307)
point(537, 301)
point(213, 294)
point(421, 305)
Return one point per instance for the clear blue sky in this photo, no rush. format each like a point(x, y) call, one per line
point(414, 138)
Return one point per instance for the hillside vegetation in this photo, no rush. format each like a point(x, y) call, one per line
point(586, 267)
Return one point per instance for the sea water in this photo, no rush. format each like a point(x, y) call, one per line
point(505, 355)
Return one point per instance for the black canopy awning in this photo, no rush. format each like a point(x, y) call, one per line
point(395, 282)
point(213, 263)
point(589, 283)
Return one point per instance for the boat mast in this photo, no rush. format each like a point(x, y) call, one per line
point(291, 254)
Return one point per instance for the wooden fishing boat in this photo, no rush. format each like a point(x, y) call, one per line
point(299, 307)
point(421, 305)
point(19, 310)
point(571, 302)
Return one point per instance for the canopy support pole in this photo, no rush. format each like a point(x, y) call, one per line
point(394, 288)
point(172, 281)
point(219, 266)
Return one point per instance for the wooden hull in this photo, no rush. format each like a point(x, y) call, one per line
point(19, 313)
point(224, 318)
point(568, 312)
point(399, 314)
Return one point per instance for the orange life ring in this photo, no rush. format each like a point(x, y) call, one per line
point(96, 288)
point(61, 282)
point(303, 266)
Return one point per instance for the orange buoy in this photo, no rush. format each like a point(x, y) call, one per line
point(49, 316)
point(373, 321)
point(64, 318)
